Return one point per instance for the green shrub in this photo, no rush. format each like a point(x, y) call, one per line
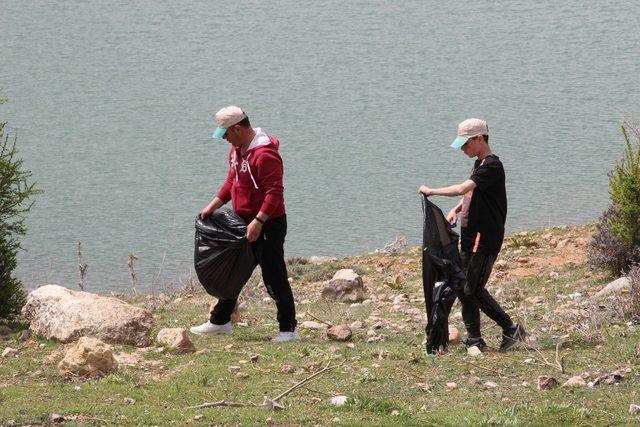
point(15, 190)
point(616, 244)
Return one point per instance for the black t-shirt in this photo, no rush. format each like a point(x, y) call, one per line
point(488, 208)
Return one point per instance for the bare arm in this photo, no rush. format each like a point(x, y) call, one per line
point(211, 207)
point(451, 191)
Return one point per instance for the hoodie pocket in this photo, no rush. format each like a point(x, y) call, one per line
point(243, 198)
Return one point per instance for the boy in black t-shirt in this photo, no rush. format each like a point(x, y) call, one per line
point(483, 211)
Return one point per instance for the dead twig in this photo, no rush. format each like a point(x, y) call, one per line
point(268, 403)
point(222, 403)
point(306, 380)
point(132, 273)
point(559, 362)
point(82, 268)
point(319, 320)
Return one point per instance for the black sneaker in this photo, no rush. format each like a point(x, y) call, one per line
point(477, 342)
point(512, 336)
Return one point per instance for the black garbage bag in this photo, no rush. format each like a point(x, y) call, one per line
point(223, 257)
point(442, 274)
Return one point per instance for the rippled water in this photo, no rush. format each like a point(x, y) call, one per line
point(113, 105)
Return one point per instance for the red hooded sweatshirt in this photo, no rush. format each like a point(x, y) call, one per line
point(254, 182)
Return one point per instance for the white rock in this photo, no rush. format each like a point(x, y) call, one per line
point(400, 298)
point(634, 409)
point(454, 334)
point(317, 260)
point(339, 333)
point(490, 384)
point(346, 286)
point(310, 324)
point(65, 315)
point(474, 351)
point(576, 381)
point(176, 338)
point(617, 286)
point(357, 325)
point(88, 357)
point(9, 352)
point(339, 400)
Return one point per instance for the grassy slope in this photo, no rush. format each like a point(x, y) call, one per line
point(389, 382)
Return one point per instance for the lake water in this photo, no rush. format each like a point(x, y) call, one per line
point(113, 104)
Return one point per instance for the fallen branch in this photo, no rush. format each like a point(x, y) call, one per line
point(319, 320)
point(222, 403)
point(268, 403)
point(559, 362)
point(306, 380)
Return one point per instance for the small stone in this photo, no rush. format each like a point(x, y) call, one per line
point(176, 338)
point(242, 375)
point(356, 325)
point(451, 386)
point(490, 384)
point(500, 265)
point(287, 369)
point(254, 358)
point(129, 401)
point(395, 413)
point(547, 383)
point(229, 346)
point(339, 400)
point(198, 417)
point(56, 418)
point(339, 333)
point(400, 298)
point(233, 369)
point(474, 351)
point(310, 324)
point(529, 360)
point(377, 325)
point(454, 334)
point(351, 345)
point(634, 409)
point(576, 381)
point(9, 352)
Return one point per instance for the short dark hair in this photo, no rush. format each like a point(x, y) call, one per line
point(486, 139)
point(245, 123)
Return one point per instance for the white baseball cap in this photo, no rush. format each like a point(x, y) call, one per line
point(226, 117)
point(468, 129)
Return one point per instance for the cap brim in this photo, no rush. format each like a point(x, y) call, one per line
point(219, 133)
point(459, 141)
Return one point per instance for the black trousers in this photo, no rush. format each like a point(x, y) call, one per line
point(474, 297)
point(269, 252)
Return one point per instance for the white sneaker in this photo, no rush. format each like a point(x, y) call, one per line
point(286, 336)
point(208, 328)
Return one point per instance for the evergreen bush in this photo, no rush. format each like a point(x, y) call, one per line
point(15, 190)
point(616, 244)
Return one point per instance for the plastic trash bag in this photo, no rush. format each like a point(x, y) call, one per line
point(442, 275)
point(223, 257)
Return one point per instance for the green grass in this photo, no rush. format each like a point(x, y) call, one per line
point(387, 383)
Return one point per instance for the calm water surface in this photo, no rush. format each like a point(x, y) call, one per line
point(113, 103)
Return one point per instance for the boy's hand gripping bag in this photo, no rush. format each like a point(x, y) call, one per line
point(223, 257)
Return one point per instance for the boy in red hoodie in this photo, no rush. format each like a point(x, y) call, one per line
point(254, 186)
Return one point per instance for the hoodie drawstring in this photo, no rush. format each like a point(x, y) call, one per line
point(249, 169)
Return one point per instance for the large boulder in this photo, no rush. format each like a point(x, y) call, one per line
point(64, 315)
point(88, 357)
point(346, 286)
